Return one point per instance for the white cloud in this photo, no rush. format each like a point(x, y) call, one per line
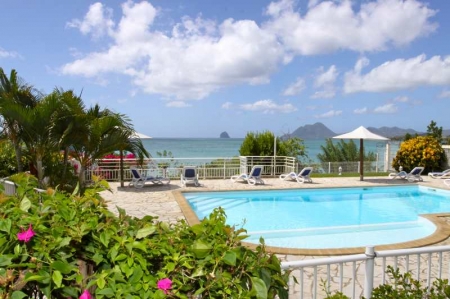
point(324, 94)
point(197, 58)
point(295, 88)
point(268, 106)
point(227, 105)
point(325, 80)
point(444, 94)
point(329, 114)
point(178, 104)
point(360, 110)
point(388, 108)
point(402, 99)
point(400, 74)
point(97, 21)
point(329, 26)
point(8, 54)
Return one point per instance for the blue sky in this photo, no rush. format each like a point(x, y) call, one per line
point(197, 68)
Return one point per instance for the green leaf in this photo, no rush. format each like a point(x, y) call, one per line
point(101, 282)
point(76, 190)
point(230, 258)
point(35, 278)
point(259, 286)
point(62, 267)
point(5, 225)
point(198, 272)
point(120, 257)
point(18, 295)
point(107, 292)
point(17, 249)
point(57, 278)
point(144, 232)
point(104, 238)
point(25, 204)
point(137, 275)
point(64, 242)
point(5, 261)
point(201, 249)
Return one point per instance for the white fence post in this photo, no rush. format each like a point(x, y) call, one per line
point(370, 262)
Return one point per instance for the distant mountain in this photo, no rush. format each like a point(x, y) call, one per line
point(315, 131)
point(390, 132)
point(320, 131)
point(445, 133)
point(224, 135)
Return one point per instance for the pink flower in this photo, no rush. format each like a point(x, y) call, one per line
point(85, 295)
point(26, 235)
point(165, 284)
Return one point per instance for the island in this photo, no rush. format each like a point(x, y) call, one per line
point(224, 135)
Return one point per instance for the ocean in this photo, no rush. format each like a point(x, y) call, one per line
point(229, 147)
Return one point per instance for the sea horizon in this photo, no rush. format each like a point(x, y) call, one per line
point(210, 147)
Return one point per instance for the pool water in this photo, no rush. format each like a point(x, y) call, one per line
point(328, 218)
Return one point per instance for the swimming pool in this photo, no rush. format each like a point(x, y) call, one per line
point(328, 218)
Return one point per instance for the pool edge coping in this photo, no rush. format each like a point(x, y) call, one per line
point(441, 233)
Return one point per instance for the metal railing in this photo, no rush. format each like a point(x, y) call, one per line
point(356, 275)
point(208, 168)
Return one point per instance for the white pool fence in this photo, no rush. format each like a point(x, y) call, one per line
point(356, 275)
point(222, 167)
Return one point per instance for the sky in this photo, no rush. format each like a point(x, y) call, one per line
point(197, 68)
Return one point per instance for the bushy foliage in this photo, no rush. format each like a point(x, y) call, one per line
point(423, 151)
point(8, 164)
point(58, 246)
point(262, 144)
point(342, 151)
point(404, 286)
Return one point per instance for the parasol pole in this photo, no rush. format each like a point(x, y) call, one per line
point(361, 159)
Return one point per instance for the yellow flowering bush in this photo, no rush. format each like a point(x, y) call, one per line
point(423, 151)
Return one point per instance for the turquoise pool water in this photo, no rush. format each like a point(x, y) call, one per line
point(328, 218)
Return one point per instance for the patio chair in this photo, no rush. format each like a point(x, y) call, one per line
point(189, 175)
point(447, 182)
point(412, 176)
point(302, 177)
point(138, 180)
point(440, 175)
point(253, 178)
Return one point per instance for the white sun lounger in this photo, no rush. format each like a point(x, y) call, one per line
point(138, 180)
point(302, 177)
point(412, 176)
point(253, 178)
point(189, 175)
point(440, 175)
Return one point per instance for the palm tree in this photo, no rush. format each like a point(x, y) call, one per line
point(15, 95)
point(103, 132)
point(35, 124)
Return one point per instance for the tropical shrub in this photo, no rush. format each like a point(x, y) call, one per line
point(262, 144)
point(8, 164)
point(423, 151)
point(58, 245)
point(342, 151)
